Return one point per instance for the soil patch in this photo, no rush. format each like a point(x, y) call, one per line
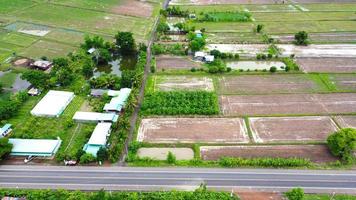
point(22, 62)
point(134, 8)
point(255, 65)
point(266, 84)
point(321, 38)
point(212, 2)
point(171, 83)
point(288, 104)
point(327, 64)
point(161, 153)
point(258, 195)
point(346, 121)
point(291, 129)
point(193, 130)
point(344, 82)
point(175, 62)
point(316, 153)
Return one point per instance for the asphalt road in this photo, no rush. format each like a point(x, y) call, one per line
point(123, 178)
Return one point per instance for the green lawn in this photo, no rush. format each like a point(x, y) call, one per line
point(19, 39)
point(27, 126)
point(8, 6)
point(46, 48)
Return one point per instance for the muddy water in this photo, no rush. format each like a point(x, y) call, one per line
point(117, 66)
point(255, 65)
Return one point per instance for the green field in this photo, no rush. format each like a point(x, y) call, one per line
point(27, 126)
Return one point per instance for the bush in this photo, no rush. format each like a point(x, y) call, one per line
point(228, 69)
point(295, 194)
point(102, 154)
point(171, 158)
point(343, 143)
point(86, 158)
point(193, 69)
point(301, 38)
point(273, 69)
point(5, 147)
point(287, 68)
point(79, 154)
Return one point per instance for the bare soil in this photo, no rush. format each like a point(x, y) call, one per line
point(327, 64)
point(316, 153)
point(175, 62)
point(22, 62)
point(253, 105)
point(346, 121)
point(171, 83)
point(266, 84)
point(162, 153)
point(193, 130)
point(292, 129)
point(134, 8)
point(258, 195)
point(321, 38)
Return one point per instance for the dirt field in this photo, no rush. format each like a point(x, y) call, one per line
point(346, 121)
point(134, 8)
point(161, 153)
point(170, 83)
point(291, 129)
point(266, 84)
point(288, 104)
point(344, 82)
point(327, 64)
point(193, 130)
point(175, 62)
point(257, 195)
point(316, 153)
point(322, 38)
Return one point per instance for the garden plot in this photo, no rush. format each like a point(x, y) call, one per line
point(255, 65)
point(328, 50)
point(343, 82)
point(296, 104)
point(162, 153)
point(321, 38)
point(327, 64)
point(193, 130)
point(175, 62)
point(316, 153)
point(171, 83)
point(46, 48)
point(292, 129)
point(346, 121)
point(29, 28)
point(267, 84)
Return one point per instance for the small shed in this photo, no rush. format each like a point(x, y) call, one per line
point(5, 130)
point(42, 64)
point(91, 50)
point(95, 117)
point(209, 58)
point(98, 138)
point(199, 55)
point(34, 92)
point(98, 92)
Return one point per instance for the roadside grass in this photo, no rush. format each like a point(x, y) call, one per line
point(30, 127)
point(329, 197)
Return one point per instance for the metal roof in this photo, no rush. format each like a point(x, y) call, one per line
point(100, 134)
point(95, 117)
point(53, 104)
point(34, 147)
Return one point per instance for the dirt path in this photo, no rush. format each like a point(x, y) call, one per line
point(142, 90)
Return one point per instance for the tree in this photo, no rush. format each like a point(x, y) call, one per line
point(37, 78)
point(162, 27)
point(125, 43)
point(79, 154)
point(171, 158)
point(295, 194)
point(259, 28)
point(273, 69)
point(343, 143)
point(102, 154)
point(86, 158)
point(88, 71)
point(5, 147)
point(301, 38)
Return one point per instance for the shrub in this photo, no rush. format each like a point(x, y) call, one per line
point(263, 162)
point(193, 69)
point(228, 69)
point(287, 69)
point(5, 147)
point(295, 194)
point(273, 69)
point(171, 158)
point(259, 28)
point(86, 158)
point(79, 154)
point(301, 38)
point(102, 154)
point(343, 143)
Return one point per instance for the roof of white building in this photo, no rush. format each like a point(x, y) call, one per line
point(99, 136)
point(53, 104)
point(34, 147)
point(95, 116)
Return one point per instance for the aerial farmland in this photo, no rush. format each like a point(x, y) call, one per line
point(278, 97)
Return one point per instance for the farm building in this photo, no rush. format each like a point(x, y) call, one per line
point(98, 138)
point(34, 92)
point(42, 64)
point(34, 147)
point(53, 104)
point(114, 93)
point(209, 58)
point(199, 55)
point(5, 130)
point(98, 92)
point(95, 117)
point(117, 103)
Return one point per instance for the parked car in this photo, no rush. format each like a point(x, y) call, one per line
point(70, 162)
